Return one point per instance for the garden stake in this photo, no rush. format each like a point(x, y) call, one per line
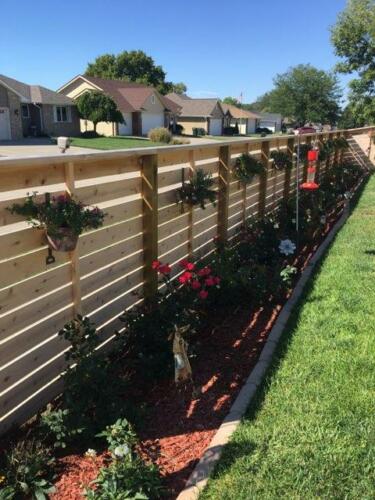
point(50, 259)
point(183, 371)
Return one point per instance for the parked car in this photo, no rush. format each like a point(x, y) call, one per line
point(304, 130)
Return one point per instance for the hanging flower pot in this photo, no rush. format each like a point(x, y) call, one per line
point(62, 218)
point(246, 167)
point(62, 240)
point(198, 191)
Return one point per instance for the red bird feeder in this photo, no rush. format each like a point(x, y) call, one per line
point(310, 184)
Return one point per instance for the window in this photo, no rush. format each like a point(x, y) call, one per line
point(25, 111)
point(152, 99)
point(62, 114)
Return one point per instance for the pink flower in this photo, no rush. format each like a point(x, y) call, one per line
point(156, 264)
point(203, 294)
point(187, 265)
point(210, 281)
point(195, 285)
point(205, 271)
point(185, 277)
point(217, 280)
point(165, 269)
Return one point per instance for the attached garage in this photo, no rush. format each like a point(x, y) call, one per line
point(126, 128)
point(151, 120)
point(4, 124)
point(216, 126)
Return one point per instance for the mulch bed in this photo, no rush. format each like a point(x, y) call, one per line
point(180, 424)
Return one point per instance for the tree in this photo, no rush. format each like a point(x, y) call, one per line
point(262, 104)
point(353, 37)
point(133, 66)
point(305, 94)
point(232, 101)
point(98, 107)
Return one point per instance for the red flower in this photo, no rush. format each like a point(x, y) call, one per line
point(203, 294)
point(217, 280)
point(210, 281)
point(187, 265)
point(185, 277)
point(156, 264)
point(195, 285)
point(165, 269)
point(205, 271)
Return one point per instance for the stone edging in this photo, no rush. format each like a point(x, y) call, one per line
point(199, 477)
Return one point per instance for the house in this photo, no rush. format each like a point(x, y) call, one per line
point(272, 121)
point(142, 107)
point(200, 113)
point(247, 121)
point(32, 110)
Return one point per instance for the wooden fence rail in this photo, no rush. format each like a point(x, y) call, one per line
point(136, 189)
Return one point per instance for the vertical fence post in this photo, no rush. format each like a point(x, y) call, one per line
point(288, 171)
point(224, 180)
point(150, 223)
point(191, 208)
point(74, 255)
point(265, 154)
point(244, 192)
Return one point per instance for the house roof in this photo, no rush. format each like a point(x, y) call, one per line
point(34, 93)
point(239, 112)
point(195, 107)
point(129, 96)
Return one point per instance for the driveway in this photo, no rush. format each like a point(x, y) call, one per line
point(35, 147)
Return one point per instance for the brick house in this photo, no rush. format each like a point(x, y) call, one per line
point(32, 110)
point(142, 106)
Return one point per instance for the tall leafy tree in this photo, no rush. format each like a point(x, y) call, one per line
point(353, 37)
point(305, 94)
point(133, 66)
point(98, 107)
point(232, 101)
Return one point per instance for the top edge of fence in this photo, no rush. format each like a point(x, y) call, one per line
point(33, 160)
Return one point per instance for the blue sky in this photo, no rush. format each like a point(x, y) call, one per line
point(217, 48)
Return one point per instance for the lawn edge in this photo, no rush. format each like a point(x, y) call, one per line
point(202, 471)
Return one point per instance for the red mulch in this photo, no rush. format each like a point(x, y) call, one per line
point(179, 426)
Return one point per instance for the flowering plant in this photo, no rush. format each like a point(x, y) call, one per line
point(59, 212)
point(287, 247)
point(246, 167)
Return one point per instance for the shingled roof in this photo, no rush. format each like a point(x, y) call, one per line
point(239, 113)
point(35, 93)
point(129, 96)
point(195, 107)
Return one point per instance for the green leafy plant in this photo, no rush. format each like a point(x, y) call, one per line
point(303, 150)
point(126, 479)
point(246, 167)
point(55, 425)
point(160, 134)
point(27, 471)
point(59, 212)
point(326, 149)
point(120, 434)
point(199, 190)
point(92, 400)
point(340, 143)
point(281, 160)
point(287, 274)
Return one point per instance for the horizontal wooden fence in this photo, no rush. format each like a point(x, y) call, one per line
point(136, 189)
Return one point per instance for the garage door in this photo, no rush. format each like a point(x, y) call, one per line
point(126, 128)
point(4, 124)
point(216, 126)
point(151, 120)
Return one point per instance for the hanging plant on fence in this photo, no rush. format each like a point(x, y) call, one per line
point(281, 160)
point(303, 150)
point(198, 191)
point(326, 149)
point(62, 218)
point(246, 167)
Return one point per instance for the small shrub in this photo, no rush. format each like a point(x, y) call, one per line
point(160, 134)
point(263, 130)
point(91, 134)
point(198, 131)
point(179, 129)
point(228, 131)
point(27, 469)
point(55, 426)
point(119, 434)
point(198, 191)
point(126, 479)
point(246, 167)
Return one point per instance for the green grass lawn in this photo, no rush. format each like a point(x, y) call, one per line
point(311, 432)
point(113, 142)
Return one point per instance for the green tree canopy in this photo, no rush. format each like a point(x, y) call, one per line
point(232, 101)
point(305, 94)
point(98, 107)
point(133, 66)
point(353, 37)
